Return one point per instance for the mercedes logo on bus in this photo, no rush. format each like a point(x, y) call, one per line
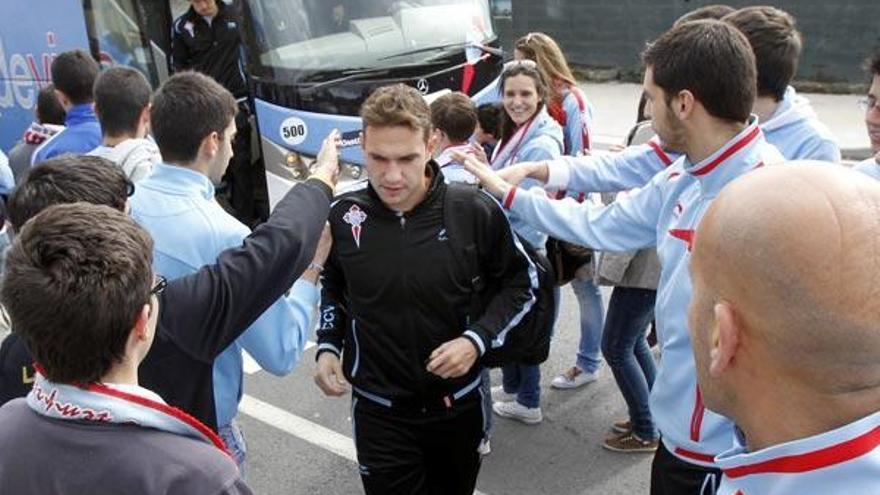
point(422, 86)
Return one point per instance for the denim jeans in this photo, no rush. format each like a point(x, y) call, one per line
point(524, 380)
point(235, 444)
point(592, 318)
point(626, 351)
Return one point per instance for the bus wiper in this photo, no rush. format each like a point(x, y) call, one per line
point(467, 44)
point(357, 74)
point(350, 75)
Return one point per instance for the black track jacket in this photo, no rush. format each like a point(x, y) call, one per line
point(393, 291)
point(210, 49)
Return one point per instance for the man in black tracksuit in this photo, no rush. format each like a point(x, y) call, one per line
point(395, 305)
point(206, 39)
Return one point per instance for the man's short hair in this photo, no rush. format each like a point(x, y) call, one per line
point(49, 109)
point(716, 11)
point(68, 179)
point(74, 74)
point(121, 95)
point(187, 108)
point(489, 116)
point(776, 42)
point(712, 60)
point(77, 277)
point(455, 115)
point(397, 105)
point(872, 65)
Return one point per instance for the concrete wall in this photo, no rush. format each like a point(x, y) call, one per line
point(838, 35)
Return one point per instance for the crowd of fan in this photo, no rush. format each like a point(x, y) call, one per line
point(135, 292)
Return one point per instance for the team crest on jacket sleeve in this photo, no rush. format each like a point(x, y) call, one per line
point(355, 217)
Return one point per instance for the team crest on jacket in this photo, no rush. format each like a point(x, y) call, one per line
point(355, 217)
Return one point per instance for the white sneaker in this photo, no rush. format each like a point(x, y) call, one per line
point(499, 395)
point(519, 412)
point(574, 377)
point(485, 448)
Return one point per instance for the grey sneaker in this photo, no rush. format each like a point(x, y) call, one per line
point(519, 412)
point(499, 395)
point(485, 448)
point(630, 443)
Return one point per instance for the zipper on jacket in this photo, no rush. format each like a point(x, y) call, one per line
point(402, 218)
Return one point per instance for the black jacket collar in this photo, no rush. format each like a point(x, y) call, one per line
point(435, 192)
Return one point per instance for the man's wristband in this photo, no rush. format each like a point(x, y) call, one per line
point(317, 267)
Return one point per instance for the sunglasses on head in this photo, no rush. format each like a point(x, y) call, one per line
point(529, 64)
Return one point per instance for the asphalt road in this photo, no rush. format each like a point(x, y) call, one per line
point(291, 445)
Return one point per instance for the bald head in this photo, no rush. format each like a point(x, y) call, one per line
point(795, 250)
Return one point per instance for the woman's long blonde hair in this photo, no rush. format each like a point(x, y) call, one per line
point(551, 62)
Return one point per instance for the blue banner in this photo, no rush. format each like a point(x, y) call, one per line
point(31, 35)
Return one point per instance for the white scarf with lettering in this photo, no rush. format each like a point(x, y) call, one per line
point(112, 404)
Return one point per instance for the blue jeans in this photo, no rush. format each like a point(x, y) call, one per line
point(592, 319)
point(235, 444)
point(524, 380)
point(626, 351)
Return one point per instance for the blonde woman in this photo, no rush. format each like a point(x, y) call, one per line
point(568, 105)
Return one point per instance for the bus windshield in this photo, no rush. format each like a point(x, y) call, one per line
point(305, 37)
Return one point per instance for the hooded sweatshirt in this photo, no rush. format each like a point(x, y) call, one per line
point(795, 129)
point(136, 157)
point(664, 214)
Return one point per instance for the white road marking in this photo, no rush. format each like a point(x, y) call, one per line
point(249, 364)
point(301, 428)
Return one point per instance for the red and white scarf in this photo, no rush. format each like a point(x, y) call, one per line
point(120, 404)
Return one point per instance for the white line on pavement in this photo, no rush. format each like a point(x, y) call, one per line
point(301, 428)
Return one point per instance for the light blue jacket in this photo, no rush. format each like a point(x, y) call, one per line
point(7, 181)
point(795, 129)
point(869, 167)
point(81, 135)
point(579, 126)
point(610, 172)
point(841, 461)
point(543, 141)
point(189, 228)
point(664, 214)
point(452, 170)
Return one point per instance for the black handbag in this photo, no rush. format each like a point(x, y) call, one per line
point(566, 259)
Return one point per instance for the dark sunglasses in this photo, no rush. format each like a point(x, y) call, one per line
point(129, 188)
point(159, 286)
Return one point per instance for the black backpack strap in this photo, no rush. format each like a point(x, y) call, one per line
point(461, 226)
